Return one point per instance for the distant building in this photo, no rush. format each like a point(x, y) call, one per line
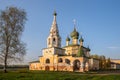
point(72, 57)
point(115, 60)
point(115, 63)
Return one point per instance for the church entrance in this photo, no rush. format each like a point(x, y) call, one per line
point(47, 68)
point(76, 65)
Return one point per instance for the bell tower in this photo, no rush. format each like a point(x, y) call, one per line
point(54, 39)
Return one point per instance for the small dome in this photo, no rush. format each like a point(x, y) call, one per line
point(67, 39)
point(75, 34)
point(55, 14)
point(81, 39)
point(88, 49)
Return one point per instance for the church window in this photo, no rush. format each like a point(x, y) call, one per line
point(47, 60)
point(60, 60)
point(54, 40)
point(67, 61)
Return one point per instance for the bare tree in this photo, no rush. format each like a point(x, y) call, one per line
point(12, 22)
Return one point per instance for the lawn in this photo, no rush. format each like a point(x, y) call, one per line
point(47, 75)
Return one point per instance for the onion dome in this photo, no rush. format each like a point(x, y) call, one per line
point(81, 39)
point(55, 14)
point(74, 34)
point(67, 39)
point(88, 49)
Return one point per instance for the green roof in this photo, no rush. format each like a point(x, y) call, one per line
point(81, 52)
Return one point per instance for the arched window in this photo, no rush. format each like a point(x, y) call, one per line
point(54, 40)
point(60, 60)
point(67, 61)
point(47, 60)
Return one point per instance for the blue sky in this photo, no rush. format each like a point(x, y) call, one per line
point(97, 20)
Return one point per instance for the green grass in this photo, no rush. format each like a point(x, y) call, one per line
point(48, 75)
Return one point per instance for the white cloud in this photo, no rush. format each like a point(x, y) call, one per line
point(113, 47)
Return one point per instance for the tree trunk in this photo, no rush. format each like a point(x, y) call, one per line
point(5, 66)
point(5, 61)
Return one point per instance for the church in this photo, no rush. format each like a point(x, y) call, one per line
point(73, 56)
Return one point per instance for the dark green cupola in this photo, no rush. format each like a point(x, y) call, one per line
point(88, 49)
point(81, 39)
point(55, 14)
point(67, 39)
point(74, 34)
